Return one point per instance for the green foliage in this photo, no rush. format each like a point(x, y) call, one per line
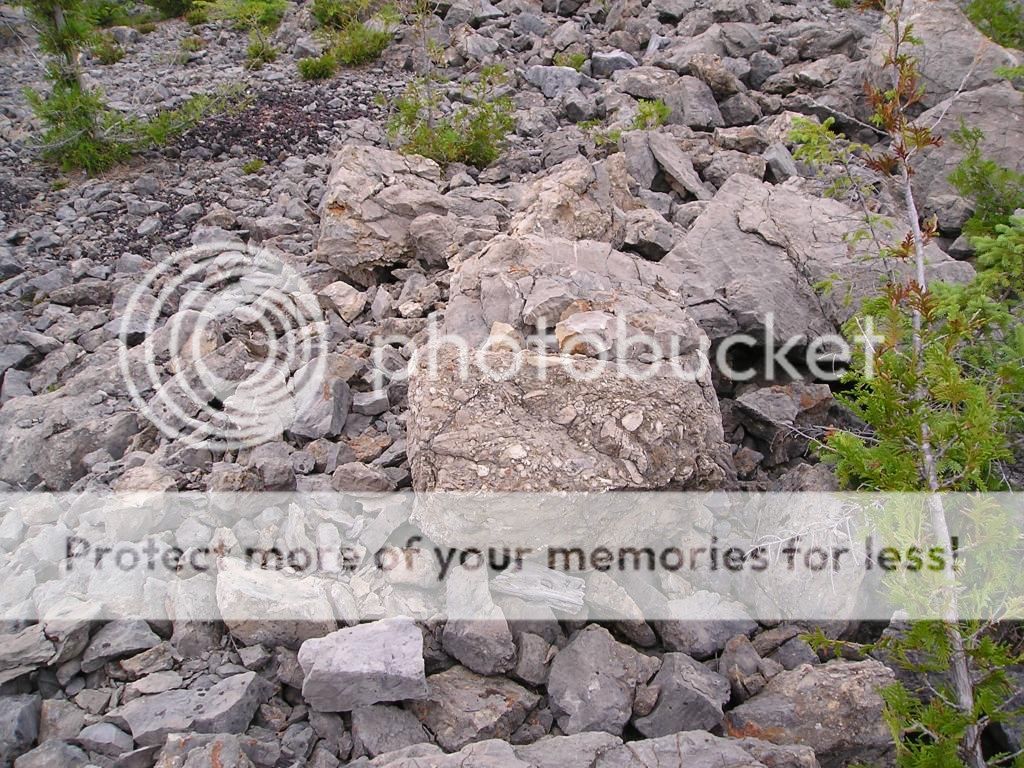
point(64, 28)
point(339, 14)
point(117, 13)
point(74, 123)
point(651, 114)
point(999, 20)
point(193, 44)
point(196, 16)
point(247, 15)
point(359, 43)
point(171, 9)
point(259, 51)
point(573, 60)
point(253, 166)
point(317, 68)
point(996, 191)
point(475, 133)
point(842, 4)
point(106, 50)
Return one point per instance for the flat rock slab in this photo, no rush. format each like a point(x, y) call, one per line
point(227, 707)
point(364, 665)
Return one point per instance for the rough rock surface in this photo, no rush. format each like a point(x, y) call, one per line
point(834, 708)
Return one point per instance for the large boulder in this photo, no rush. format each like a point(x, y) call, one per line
point(555, 417)
point(953, 56)
point(834, 708)
point(755, 260)
point(998, 111)
point(372, 196)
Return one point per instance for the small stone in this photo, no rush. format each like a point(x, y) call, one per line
point(106, 739)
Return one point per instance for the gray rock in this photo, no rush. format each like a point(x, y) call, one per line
point(648, 234)
point(370, 403)
point(580, 750)
point(677, 167)
point(746, 671)
point(270, 607)
point(728, 163)
point(645, 82)
point(781, 165)
point(593, 682)
point(690, 698)
point(778, 415)
point(758, 249)
point(995, 110)
point(509, 441)
point(553, 82)
point(698, 749)
point(371, 197)
point(227, 707)
point(706, 623)
point(19, 725)
point(476, 633)
point(462, 707)
point(692, 104)
point(53, 754)
point(740, 110)
point(672, 10)
point(104, 738)
point(363, 665)
point(849, 727)
point(952, 55)
point(604, 65)
point(116, 640)
point(384, 728)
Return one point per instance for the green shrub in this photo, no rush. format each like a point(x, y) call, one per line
point(107, 13)
point(253, 166)
point(247, 14)
point(197, 16)
point(651, 114)
point(842, 4)
point(144, 27)
point(359, 43)
point(1000, 20)
point(565, 59)
point(77, 129)
point(193, 44)
point(338, 14)
point(318, 67)
point(106, 50)
point(474, 134)
point(259, 51)
point(996, 191)
point(171, 9)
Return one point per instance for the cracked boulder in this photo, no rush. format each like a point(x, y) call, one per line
point(557, 417)
point(953, 55)
point(371, 199)
point(756, 258)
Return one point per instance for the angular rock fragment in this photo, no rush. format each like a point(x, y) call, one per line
point(227, 707)
point(834, 708)
point(593, 682)
point(462, 707)
point(364, 665)
point(690, 698)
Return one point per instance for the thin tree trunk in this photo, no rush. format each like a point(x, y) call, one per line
point(963, 686)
